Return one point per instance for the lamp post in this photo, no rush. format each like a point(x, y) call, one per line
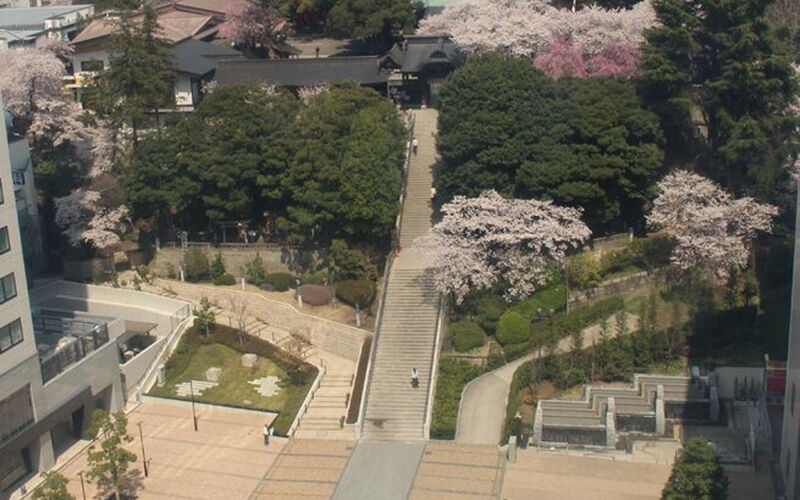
point(144, 456)
point(83, 488)
point(194, 415)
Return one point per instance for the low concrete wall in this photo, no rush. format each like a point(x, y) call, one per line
point(586, 437)
point(135, 369)
point(636, 423)
point(335, 338)
point(611, 287)
point(237, 256)
point(727, 376)
point(113, 302)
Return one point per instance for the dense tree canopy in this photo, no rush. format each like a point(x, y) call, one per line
point(327, 168)
point(588, 143)
point(722, 65)
point(370, 18)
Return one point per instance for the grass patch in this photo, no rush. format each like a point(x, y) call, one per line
point(453, 376)
point(222, 348)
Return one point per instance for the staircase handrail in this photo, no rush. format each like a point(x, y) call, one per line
point(385, 280)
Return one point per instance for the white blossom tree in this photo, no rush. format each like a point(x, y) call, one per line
point(482, 241)
point(532, 28)
point(31, 86)
point(83, 219)
point(712, 230)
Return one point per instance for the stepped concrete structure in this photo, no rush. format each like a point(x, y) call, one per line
point(644, 407)
point(407, 330)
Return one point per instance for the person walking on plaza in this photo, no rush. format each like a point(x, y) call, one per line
point(414, 144)
point(414, 378)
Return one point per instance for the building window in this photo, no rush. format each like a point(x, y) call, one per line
point(16, 413)
point(92, 65)
point(18, 177)
point(10, 335)
point(8, 288)
point(5, 244)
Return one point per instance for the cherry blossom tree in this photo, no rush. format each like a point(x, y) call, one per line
point(257, 24)
point(561, 58)
point(83, 219)
point(30, 83)
point(607, 40)
point(481, 241)
point(712, 230)
point(305, 93)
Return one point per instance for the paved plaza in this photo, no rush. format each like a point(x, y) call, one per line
point(555, 476)
point(225, 459)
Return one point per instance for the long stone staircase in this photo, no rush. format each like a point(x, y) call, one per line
point(406, 333)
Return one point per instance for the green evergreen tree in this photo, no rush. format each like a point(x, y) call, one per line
point(206, 319)
point(722, 62)
point(254, 271)
point(696, 474)
point(217, 266)
point(140, 79)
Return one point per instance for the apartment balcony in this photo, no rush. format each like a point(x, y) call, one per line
point(62, 342)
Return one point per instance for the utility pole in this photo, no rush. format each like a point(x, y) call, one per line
point(144, 456)
point(83, 488)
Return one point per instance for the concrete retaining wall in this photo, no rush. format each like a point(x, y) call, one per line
point(727, 376)
point(615, 286)
point(236, 257)
point(695, 410)
point(636, 423)
point(590, 437)
point(135, 369)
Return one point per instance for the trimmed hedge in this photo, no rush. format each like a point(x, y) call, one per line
point(224, 279)
point(280, 282)
point(522, 377)
point(513, 328)
point(315, 295)
point(359, 293)
point(453, 376)
point(489, 311)
point(466, 335)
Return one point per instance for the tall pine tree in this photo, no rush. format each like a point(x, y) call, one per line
point(721, 79)
point(140, 79)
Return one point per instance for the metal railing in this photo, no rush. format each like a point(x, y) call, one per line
point(387, 268)
point(71, 353)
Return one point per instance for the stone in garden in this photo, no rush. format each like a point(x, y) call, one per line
point(213, 373)
point(249, 360)
point(267, 386)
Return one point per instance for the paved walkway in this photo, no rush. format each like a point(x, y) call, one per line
point(483, 402)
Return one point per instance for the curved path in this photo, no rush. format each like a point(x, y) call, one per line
point(483, 401)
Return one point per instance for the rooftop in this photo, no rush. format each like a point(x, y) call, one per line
point(34, 17)
point(175, 26)
point(365, 70)
point(417, 51)
point(200, 58)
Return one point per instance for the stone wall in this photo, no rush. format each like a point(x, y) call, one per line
point(692, 410)
point(636, 423)
point(236, 256)
point(623, 284)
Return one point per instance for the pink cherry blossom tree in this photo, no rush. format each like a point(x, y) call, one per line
point(258, 25)
point(712, 230)
point(481, 241)
point(83, 219)
point(605, 39)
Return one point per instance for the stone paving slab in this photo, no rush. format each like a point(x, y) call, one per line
point(380, 471)
point(450, 470)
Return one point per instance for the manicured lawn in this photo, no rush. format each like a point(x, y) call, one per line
point(234, 388)
point(223, 348)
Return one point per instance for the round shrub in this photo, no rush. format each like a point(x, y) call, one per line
point(196, 264)
point(317, 278)
point(489, 311)
point(513, 328)
point(224, 279)
point(359, 293)
point(466, 335)
point(315, 295)
point(280, 282)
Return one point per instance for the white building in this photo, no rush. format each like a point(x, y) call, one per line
point(790, 438)
point(32, 26)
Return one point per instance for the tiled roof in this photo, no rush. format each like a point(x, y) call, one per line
point(302, 72)
point(175, 26)
point(200, 58)
point(416, 51)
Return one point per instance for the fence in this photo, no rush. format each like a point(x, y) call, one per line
point(307, 401)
